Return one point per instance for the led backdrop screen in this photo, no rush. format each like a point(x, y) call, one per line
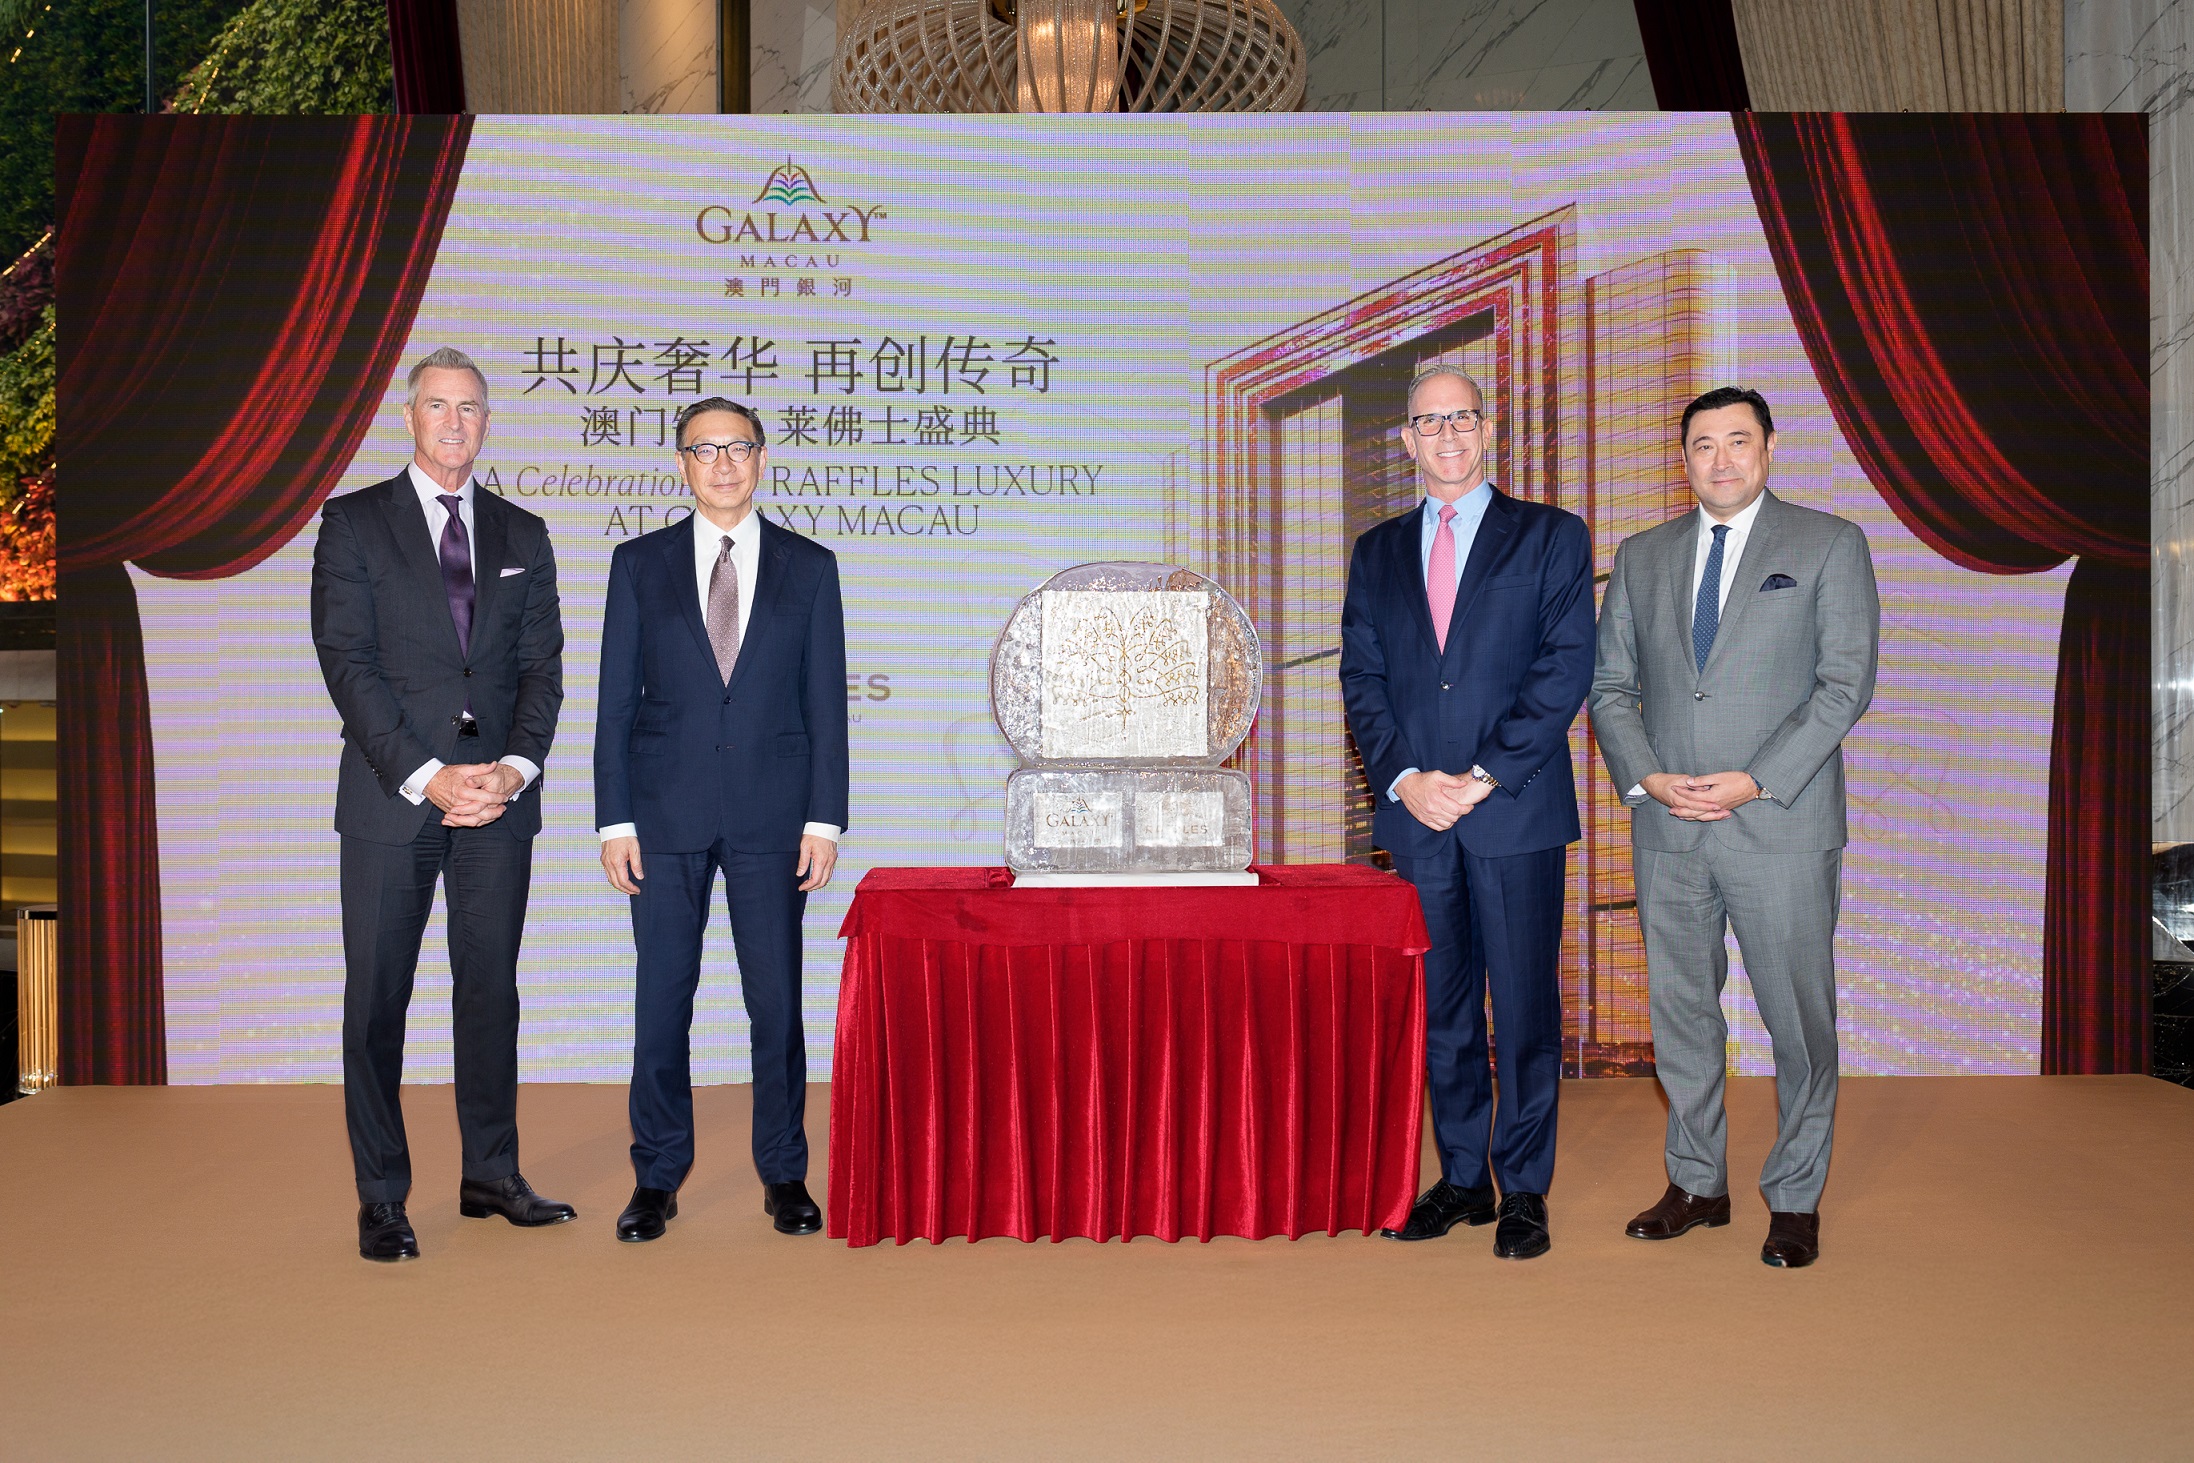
point(988, 349)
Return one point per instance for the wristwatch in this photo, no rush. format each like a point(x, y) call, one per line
point(1482, 775)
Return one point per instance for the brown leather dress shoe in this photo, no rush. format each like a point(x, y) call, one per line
point(1679, 1212)
point(1793, 1240)
point(513, 1198)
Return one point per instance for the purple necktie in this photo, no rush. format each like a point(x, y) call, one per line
point(457, 569)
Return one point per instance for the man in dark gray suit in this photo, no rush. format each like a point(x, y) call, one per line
point(1741, 637)
point(434, 612)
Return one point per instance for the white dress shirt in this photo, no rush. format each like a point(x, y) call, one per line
point(746, 557)
point(1733, 549)
point(430, 500)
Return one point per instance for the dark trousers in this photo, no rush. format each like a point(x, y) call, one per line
point(388, 891)
point(1496, 926)
point(762, 894)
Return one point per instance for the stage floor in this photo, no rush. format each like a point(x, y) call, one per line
point(2007, 1272)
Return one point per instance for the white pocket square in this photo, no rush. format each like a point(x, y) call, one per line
point(519, 570)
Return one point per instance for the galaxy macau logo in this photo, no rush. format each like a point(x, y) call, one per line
point(789, 211)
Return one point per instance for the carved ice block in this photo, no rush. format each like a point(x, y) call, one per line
point(1123, 686)
point(1127, 820)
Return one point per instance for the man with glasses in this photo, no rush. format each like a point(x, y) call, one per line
point(1466, 650)
point(720, 743)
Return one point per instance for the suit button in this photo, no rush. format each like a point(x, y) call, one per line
point(1444, 685)
point(468, 672)
point(1698, 695)
point(723, 746)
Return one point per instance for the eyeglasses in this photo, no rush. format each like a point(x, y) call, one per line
point(705, 452)
point(1433, 423)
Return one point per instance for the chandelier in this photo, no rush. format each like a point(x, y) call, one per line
point(1070, 56)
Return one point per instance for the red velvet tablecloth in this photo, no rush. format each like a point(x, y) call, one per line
point(1127, 1061)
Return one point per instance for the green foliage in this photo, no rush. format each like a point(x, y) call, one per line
point(26, 409)
point(80, 56)
point(296, 56)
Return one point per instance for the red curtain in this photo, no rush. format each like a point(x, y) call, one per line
point(1691, 50)
point(429, 69)
point(1973, 293)
point(233, 293)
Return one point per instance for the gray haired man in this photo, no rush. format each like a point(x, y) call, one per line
point(434, 612)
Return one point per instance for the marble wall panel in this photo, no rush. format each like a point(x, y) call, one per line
point(2138, 56)
point(1345, 43)
point(794, 43)
point(1528, 55)
point(666, 56)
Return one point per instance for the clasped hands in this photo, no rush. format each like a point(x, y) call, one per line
point(472, 794)
point(1437, 799)
point(1707, 798)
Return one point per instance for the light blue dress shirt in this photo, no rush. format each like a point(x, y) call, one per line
point(1470, 511)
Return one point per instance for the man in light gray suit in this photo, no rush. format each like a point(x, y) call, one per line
point(1741, 636)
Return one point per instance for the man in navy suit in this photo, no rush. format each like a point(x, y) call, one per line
point(720, 743)
point(435, 617)
point(1466, 652)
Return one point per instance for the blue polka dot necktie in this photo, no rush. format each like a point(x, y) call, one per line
point(1707, 618)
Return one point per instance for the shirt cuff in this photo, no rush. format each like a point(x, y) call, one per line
point(1391, 795)
point(823, 830)
point(415, 786)
point(619, 830)
point(524, 769)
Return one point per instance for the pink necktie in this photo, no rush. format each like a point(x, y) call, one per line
point(1440, 576)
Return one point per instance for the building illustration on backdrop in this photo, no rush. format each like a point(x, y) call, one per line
point(1587, 377)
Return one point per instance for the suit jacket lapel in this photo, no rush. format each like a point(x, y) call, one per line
point(1745, 587)
point(677, 550)
point(770, 580)
point(1678, 566)
point(1408, 567)
point(407, 523)
point(491, 536)
point(1487, 548)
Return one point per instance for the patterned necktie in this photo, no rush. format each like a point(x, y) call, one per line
point(457, 569)
point(1707, 618)
point(723, 610)
point(1440, 576)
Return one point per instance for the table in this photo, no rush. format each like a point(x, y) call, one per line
point(1105, 1062)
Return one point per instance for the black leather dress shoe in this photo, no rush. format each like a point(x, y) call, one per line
point(513, 1198)
point(1442, 1207)
point(1521, 1234)
point(648, 1215)
point(795, 1212)
point(1679, 1212)
point(1793, 1240)
point(385, 1234)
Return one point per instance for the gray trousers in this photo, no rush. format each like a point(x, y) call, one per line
point(1783, 908)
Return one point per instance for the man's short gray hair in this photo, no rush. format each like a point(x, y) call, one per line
point(1443, 370)
point(447, 358)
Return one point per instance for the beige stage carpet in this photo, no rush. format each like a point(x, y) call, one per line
point(2007, 1272)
